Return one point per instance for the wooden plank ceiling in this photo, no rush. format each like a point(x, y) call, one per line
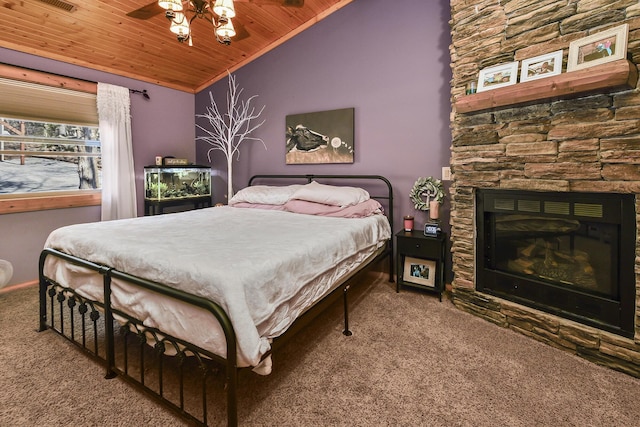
point(98, 34)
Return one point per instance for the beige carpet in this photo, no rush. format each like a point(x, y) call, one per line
point(412, 361)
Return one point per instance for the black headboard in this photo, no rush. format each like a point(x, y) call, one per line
point(385, 199)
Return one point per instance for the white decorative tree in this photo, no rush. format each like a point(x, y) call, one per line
point(232, 128)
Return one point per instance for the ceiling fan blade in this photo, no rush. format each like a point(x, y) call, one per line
point(146, 12)
point(285, 3)
point(241, 32)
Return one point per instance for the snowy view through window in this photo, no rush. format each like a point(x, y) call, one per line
point(39, 156)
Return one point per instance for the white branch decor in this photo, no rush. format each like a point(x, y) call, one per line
point(232, 128)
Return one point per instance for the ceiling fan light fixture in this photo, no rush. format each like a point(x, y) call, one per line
point(224, 8)
point(218, 12)
point(225, 32)
point(180, 26)
point(175, 5)
point(221, 21)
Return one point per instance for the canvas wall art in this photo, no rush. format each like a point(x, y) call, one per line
point(320, 137)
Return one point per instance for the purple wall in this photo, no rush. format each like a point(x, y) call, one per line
point(397, 82)
point(164, 125)
point(393, 68)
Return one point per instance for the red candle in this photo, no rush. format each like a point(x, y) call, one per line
point(408, 223)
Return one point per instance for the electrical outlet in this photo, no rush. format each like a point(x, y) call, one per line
point(446, 173)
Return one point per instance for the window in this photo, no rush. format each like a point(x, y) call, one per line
point(43, 157)
point(49, 141)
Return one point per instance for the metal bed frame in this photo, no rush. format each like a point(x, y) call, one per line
point(91, 325)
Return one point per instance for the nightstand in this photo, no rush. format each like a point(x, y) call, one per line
point(420, 260)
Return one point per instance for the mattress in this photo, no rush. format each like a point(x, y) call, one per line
point(264, 268)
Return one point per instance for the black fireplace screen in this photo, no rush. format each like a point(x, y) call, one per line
point(570, 254)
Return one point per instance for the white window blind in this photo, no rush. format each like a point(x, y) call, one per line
point(30, 101)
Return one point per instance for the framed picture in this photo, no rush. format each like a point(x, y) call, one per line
point(320, 137)
point(546, 65)
point(605, 46)
point(498, 76)
point(419, 271)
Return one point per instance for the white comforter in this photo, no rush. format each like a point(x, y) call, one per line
point(255, 263)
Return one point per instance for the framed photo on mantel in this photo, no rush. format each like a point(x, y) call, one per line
point(605, 46)
point(547, 65)
point(498, 76)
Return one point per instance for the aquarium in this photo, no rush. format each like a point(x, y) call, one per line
point(176, 182)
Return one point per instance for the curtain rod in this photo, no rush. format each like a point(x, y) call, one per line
point(56, 80)
point(141, 92)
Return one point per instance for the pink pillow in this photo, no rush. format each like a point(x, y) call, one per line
point(360, 210)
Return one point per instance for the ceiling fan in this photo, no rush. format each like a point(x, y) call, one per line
point(223, 28)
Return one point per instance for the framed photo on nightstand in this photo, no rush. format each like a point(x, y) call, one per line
point(420, 271)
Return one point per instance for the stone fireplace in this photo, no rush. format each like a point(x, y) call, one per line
point(578, 144)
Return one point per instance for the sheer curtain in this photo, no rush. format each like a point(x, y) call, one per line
point(118, 177)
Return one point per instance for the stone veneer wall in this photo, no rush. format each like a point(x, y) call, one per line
point(588, 143)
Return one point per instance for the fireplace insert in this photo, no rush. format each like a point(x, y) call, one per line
point(569, 254)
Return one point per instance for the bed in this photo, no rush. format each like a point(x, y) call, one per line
point(219, 284)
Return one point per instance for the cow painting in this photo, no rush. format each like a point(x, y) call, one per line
point(302, 138)
point(320, 137)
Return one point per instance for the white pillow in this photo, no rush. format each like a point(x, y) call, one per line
point(331, 194)
point(265, 194)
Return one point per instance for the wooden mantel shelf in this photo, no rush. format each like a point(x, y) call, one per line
point(621, 74)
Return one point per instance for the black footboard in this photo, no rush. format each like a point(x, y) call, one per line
point(123, 345)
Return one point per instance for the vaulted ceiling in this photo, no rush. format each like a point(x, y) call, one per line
point(99, 34)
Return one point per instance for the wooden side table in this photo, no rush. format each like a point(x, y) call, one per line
point(420, 260)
